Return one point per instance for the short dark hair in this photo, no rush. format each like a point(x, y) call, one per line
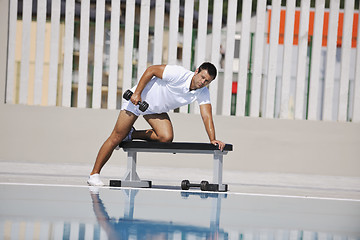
point(210, 68)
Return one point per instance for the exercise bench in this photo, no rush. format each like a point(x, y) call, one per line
point(131, 178)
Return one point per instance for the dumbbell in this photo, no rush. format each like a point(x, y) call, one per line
point(186, 185)
point(142, 105)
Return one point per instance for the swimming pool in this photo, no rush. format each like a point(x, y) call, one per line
point(40, 211)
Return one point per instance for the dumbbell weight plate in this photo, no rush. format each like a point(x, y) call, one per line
point(127, 95)
point(185, 184)
point(143, 106)
point(204, 185)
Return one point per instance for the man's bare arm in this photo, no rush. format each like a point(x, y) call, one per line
point(206, 114)
point(150, 72)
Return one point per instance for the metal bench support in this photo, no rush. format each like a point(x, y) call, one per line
point(132, 179)
point(218, 171)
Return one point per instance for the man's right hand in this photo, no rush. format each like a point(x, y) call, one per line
point(135, 98)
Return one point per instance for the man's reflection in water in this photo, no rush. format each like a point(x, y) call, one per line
point(123, 228)
point(127, 227)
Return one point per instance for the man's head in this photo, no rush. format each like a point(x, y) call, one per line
point(203, 76)
point(210, 68)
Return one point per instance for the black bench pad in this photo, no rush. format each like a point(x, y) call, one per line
point(173, 146)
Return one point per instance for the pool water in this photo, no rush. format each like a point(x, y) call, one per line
point(31, 211)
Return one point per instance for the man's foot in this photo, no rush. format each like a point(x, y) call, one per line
point(94, 190)
point(94, 180)
point(128, 138)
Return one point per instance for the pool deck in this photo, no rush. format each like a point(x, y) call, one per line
point(313, 186)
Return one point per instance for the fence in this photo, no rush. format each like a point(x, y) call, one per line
point(84, 53)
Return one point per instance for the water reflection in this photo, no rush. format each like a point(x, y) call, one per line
point(63, 212)
point(129, 227)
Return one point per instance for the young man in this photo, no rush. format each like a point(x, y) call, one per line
point(163, 87)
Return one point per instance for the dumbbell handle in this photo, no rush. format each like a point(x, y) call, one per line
point(194, 185)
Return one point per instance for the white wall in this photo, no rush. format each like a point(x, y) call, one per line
point(69, 135)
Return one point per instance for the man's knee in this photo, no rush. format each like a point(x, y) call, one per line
point(166, 138)
point(115, 139)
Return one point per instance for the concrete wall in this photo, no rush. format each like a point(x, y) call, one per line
point(56, 134)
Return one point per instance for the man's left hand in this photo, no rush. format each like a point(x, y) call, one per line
point(218, 143)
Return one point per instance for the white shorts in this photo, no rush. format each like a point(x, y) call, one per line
point(129, 106)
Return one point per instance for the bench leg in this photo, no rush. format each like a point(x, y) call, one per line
point(218, 171)
point(131, 174)
point(129, 203)
point(131, 178)
point(218, 168)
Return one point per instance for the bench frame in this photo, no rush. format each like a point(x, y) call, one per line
point(132, 179)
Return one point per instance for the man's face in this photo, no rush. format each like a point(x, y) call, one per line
point(201, 79)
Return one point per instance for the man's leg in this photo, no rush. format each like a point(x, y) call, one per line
point(162, 129)
point(122, 127)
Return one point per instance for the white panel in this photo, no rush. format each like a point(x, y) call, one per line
point(128, 44)
point(272, 64)
point(215, 50)
point(294, 234)
point(173, 31)
point(40, 43)
point(330, 60)
point(243, 58)
point(188, 27)
point(302, 57)
point(89, 228)
point(44, 230)
point(15, 229)
point(68, 53)
point(187, 43)
point(103, 234)
point(287, 57)
point(98, 53)
point(345, 59)
point(57, 231)
point(2, 227)
point(25, 52)
point(11, 52)
point(143, 37)
point(229, 57)
point(74, 231)
point(201, 41)
point(258, 59)
point(29, 227)
point(54, 52)
point(84, 52)
point(158, 31)
point(202, 30)
point(114, 52)
point(356, 109)
point(315, 60)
